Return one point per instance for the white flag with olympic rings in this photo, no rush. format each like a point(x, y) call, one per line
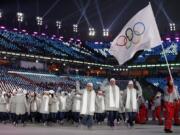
point(140, 33)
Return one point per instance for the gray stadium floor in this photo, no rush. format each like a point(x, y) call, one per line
point(31, 129)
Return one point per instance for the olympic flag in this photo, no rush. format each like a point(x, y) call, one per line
point(140, 33)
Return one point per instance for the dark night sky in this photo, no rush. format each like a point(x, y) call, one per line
point(67, 11)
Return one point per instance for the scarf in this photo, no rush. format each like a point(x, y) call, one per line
point(35, 105)
point(84, 102)
point(131, 97)
point(78, 102)
point(63, 102)
point(101, 97)
point(114, 102)
point(46, 103)
point(57, 105)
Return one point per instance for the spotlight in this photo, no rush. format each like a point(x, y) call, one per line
point(91, 31)
point(15, 29)
point(35, 33)
point(24, 30)
point(75, 28)
point(20, 16)
point(39, 20)
point(58, 24)
point(177, 39)
point(2, 27)
point(172, 26)
point(105, 32)
point(56, 69)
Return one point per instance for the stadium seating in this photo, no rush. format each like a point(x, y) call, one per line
point(91, 51)
point(43, 45)
point(161, 82)
point(30, 81)
point(171, 50)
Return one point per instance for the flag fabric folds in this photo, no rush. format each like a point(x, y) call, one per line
point(140, 33)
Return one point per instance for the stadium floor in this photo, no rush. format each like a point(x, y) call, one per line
point(32, 129)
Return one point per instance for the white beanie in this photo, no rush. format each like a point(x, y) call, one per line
point(14, 91)
point(112, 79)
point(130, 82)
point(25, 92)
point(90, 84)
point(158, 94)
point(100, 92)
point(3, 92)
point(51, 91)
point(19, 90)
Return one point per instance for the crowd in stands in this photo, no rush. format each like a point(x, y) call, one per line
point(88, 50)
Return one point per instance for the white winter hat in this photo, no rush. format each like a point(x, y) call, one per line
point(19, 90)
point(90, 84)
point(130, 82)
point(3, 92)
point(112, 79)
point(158, 94)
point(100, 92)
point(14, 91)
point(51, 91)
point(25, 91)
point(46, 91)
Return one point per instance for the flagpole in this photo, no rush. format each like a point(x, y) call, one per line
point(167, 63)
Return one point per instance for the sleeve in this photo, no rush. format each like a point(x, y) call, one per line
point(2, 100)
point(176, 93)
point(96, 101)
point(25, 103)
point(124, 96)
point(80, 91)
point(50, 100)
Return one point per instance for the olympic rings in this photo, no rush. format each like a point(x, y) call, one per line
point(132, 35)
point(129, 34)
point(139, 28)
point(124, 42)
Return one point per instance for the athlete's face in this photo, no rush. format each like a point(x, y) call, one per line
point(89, 88)
point(171, 82)
point(112, 82)
point(130, 86)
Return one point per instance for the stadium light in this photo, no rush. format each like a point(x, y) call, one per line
point(91, 31)
point(177, 39)
point(20, 16)
point(75, 28)
point(172, 26)
point(35, 33)
point(58, 24)
point(2, 27)
point(168, 39)
point(105, 32)
point(39, 20)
